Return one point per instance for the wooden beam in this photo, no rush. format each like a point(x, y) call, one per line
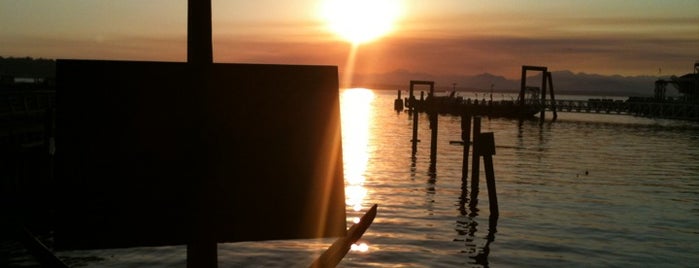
point(334, 254)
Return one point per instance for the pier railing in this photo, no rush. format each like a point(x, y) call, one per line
point(633, 107)
point(668, 110)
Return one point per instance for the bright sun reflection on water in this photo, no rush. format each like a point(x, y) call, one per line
point(363, 247)
point(356, 114)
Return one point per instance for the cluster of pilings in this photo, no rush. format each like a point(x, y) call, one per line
point(483, 147)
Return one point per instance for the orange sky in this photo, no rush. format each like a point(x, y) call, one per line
point(437, 36)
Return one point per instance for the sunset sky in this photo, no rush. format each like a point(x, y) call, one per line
point(438, 36)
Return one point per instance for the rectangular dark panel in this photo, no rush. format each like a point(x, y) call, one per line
point(154, 153)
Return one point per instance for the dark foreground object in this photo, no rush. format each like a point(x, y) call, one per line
point(153, 153)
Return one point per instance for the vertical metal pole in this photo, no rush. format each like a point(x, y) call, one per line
point(199, 44)
point(201, 249)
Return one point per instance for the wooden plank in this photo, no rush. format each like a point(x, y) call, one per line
point(334, 254)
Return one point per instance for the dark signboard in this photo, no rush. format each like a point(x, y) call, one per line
point(156, 153)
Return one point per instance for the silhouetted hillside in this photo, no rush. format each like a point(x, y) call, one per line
point(595, 84)
point(27, 67)
point(565, 82)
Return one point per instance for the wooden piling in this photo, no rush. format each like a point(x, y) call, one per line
point(475, 161)
point(523, 86)
point(542, 116)
point(432, 112)
point(553, 97)
point(415, 121)
point(466, 139)
point(486, 148)
point(398, 103)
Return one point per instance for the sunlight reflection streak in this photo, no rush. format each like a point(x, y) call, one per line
point(356, 113)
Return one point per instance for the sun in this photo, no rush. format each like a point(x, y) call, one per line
point(361, 21)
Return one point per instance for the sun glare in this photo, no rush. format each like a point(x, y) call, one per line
point(356, 113)
point(361, 21)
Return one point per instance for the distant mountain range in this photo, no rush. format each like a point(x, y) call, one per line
point(564, 82)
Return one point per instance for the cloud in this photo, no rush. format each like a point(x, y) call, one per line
point(439, 55)
point(504, 55)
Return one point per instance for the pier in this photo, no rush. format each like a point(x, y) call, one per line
point(634, 107)
point(533, 100)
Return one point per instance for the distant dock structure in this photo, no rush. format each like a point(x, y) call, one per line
point(632, 106)
point(528, 103)
point(533, 100)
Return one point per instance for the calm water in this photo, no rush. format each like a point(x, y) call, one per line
point(587, 190)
